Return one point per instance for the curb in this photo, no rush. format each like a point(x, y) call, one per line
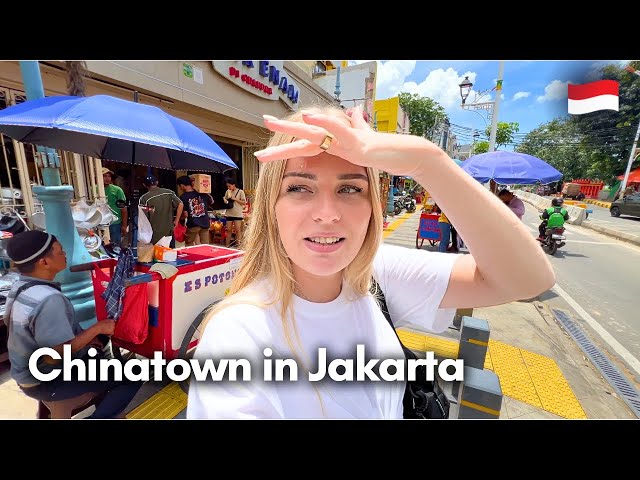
point(599, 203)
point(626, 237)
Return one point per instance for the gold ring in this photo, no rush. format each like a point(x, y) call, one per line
point(326, 143)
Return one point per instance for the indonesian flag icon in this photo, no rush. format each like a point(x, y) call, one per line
point(594, 96)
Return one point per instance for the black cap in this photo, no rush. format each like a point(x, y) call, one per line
point(29, 246)
point(184, 180)
point(150, 180)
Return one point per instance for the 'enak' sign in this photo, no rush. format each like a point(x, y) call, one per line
point(264, 78)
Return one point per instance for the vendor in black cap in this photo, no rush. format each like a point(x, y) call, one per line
point(39, 315)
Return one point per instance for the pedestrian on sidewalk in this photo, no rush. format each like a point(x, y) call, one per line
point(235, 199)
point(159, 204)
point(313, 247)
point(514, 203)
point(195, 206)
point(118, 227)
point(39, 315)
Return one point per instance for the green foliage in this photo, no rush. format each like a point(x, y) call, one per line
point(595, 145)
point(424, 113)
point(481, 147)
point(504, 133)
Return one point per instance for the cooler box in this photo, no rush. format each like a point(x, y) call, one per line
point(204, 275)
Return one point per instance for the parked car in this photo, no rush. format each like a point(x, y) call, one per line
point(629, 205)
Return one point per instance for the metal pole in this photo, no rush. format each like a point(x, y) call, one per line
point(496, 106)
point(631, 158)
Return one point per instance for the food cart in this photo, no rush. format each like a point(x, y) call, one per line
point(428, 230)
point(175, 304)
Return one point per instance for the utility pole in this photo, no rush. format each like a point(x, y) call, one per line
point(496, 106)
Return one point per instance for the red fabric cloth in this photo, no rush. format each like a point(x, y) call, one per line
point(133, 325)
point(180, 232)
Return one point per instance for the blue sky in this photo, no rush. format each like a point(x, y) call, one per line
point(534, 92)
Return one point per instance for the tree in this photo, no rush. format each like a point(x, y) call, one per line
point(559, 143)
point(608, 135)
point(480, 147)
point(75, 78)
point(425, 114)
point(504, 133)
point(595, 145)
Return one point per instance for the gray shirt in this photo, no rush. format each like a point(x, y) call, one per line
point(41, 316)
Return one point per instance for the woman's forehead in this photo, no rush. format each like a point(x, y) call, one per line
point(322, 165)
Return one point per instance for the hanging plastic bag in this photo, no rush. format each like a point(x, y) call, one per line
point(180, 232)
point(145, 232)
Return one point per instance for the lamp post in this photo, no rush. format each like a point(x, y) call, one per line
point(490, 107)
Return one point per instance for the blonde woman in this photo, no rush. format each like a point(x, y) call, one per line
point(314, 245)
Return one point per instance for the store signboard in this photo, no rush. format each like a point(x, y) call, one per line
point(265, 78)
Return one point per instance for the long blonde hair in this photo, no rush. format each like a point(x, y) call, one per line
point(265, 256)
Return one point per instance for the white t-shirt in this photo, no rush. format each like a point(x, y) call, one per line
point(414, 283)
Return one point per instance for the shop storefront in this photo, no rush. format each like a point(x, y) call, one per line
point(225, 99)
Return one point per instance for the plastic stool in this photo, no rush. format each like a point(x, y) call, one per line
point(69, 407)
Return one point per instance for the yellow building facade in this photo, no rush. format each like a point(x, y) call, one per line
point(389, 117)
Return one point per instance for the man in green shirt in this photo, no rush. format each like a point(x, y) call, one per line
point(159, 204)
point(117, 228)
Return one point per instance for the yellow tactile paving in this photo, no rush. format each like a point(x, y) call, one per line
point(524, 376)
point(512, 371)
point(441, 347)
point(395, 224)
point(488, 364)
point(164, 405)
point(553, 390)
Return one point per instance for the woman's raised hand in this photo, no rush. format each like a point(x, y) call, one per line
point(349, 138)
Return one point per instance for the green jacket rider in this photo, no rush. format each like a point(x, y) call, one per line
point(553, 217)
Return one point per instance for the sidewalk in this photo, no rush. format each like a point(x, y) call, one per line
point(543, 372)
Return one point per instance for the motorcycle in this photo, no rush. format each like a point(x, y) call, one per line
point(554, 238)
point(408, 203)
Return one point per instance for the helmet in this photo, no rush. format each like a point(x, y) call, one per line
point(557, 202)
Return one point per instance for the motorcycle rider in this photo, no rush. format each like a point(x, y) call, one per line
point(553, 217)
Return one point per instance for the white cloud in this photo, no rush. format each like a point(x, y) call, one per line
point(391, 76)
point(556, 90)
point(520, 95)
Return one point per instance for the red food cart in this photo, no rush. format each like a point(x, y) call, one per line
point(174, 304)
point(428, 229)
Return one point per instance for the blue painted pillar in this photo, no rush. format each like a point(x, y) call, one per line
point(390, 199)
point(56, 199)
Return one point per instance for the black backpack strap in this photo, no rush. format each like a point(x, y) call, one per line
point(423, 399)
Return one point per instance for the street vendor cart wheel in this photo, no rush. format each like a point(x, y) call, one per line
point(191, 339)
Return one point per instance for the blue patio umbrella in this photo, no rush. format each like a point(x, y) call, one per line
point(510, 168)
point(110, 128)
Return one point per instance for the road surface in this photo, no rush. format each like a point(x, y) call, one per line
point(598, 277)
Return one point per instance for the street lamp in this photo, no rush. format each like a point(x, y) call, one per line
point(490, 107)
